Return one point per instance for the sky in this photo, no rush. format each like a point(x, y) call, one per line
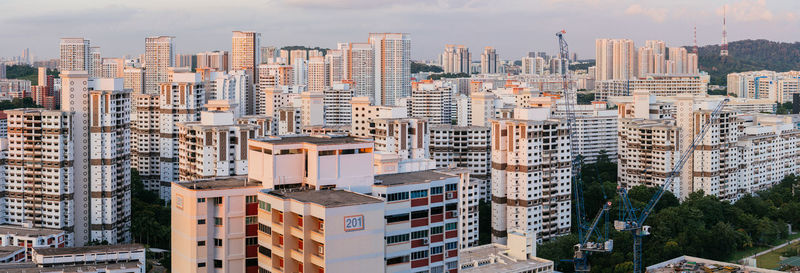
point(513, 27)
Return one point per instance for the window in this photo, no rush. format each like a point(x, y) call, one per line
point(451, 245)
point(264, 228)
point(419, 255)
point(250, 199)
point(437, 210)
point(397, 196)
point(419, 194)
point(397, 260)
point(396, 218)
point(450, 226)
point(217, 263)
point(264, 206)
point(201, 243)
point(419, 214)
point(436, 190)
point(452, 265)
point(450, 187)
point(217, 200)
point(419, 234)
point(251, 262)
point(347, 151)
point(326, 153)
point(265, 251)
point(436, 230)
point(217, 221)
point(251, 241)
point(397, 239)
point(436, 250)
point(251, 220)
point(201, 200)
point(217, 242)
point(451, 207)
point(201, 264)
point(201, 221)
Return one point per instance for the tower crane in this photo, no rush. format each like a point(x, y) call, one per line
point(586, 231)
point(632, 219)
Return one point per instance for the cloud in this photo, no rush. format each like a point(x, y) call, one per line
point(755, 11)
point(655, 14)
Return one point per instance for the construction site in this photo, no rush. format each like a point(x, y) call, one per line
point(688, 264)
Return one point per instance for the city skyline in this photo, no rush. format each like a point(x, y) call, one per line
point(475, 24)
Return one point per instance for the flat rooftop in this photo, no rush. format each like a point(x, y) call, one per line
point(499, 261)
point(691, 264)
point(29, 267)
point(412, 177)
point(7, 250)
point(316, 140)
point(30, 232)
point(219, 183)
point(47, 251)
point(326, 198)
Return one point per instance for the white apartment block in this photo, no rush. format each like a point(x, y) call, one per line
point(463, 147)
point(360, 64)
point(96, 62)
point(313, 108)
point(317, 74)
point(363, 113)
point(775, 86)
point(233, 87)
point(531, 178)
point(518, 256)
point(216, 60)
point(112, 68)
point(336, 100)
point(615, 58)
point(145, 135)
point(392, 55)
point(489, 61)
point(214, 146)
point(432, 101)
point(48, 134)
point(288, 121)
point(334, 65)
point(463, 110)
point(264, 125)
point(134, 79)
point(662, 86)
point(245, 55)
point(74, 55)
point(533, 66)
point(456, 59)
point(159, 55)
point(595, 130)
point(768, 149)
point(401, 145)
point(119, 258)
point(180, 101)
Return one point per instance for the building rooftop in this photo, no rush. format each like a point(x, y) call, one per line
point(325, 198)
point(46, 251)
point(315, 139)
point(690, 264)
point(219, 183)
point(412, 177)
point(30, 232)
point(494, 258)
point(34, 268)
point(6, 250)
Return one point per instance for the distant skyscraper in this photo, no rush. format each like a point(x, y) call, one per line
point(392, 66)
point(217, 60)
point(74, 55)
point(489, 61)
point(615, 59)
point(134, 80)
point(95, 63)
point(456, 59)
point(159, 54)
point(245, 55)
point(360, 68)
point(317, 72)
point(268, 54)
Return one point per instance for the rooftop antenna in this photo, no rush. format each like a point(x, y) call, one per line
point(694, 50)
point(724, 51)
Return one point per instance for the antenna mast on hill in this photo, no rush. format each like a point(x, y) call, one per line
point(724, 48)
point(694, 50)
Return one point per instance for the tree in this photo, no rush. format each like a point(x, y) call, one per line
point(421, 67)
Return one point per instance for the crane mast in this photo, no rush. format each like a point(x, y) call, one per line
point(632, 219)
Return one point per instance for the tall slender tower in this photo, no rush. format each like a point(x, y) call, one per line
point(724, 51)
point(694, 49)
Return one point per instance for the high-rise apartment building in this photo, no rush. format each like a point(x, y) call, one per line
point(159, 55)
point(96, 63)
point(101, 130)
point(112, 68)
point(317, 74)
point(463, 147)
point(245, 55)
point(215, 146)
point(533, 66)
point(75, 55)
point(134, 79)
point(432, 101)
point(313, 109)
point(775, 86)
point(334, 65)
point(659, 85)
point(145, 155)
point(531, 179)
point(337, 104)
point(615, 59)
point(217, 60)
point(456, 59)
point(392, 78)
point(489, 61)
point(180, 101)
point(360, 69)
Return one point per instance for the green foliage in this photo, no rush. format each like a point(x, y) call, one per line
point(18, 103)
point(722, 92)
point(150, 224)
point(784, 108)
point(448, 75)
point(702, 225)
point(27, 72)
point(421, 67)
point(290, 48)
point(583, 65)
point(748, 55)
point(585, 98)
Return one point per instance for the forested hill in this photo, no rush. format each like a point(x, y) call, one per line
point(748, 55)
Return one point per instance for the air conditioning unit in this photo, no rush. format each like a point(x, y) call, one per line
point(449, 195)
point(425, 241)
point(455, 213)
point(321, 250)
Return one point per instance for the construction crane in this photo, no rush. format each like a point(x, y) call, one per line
point(586, 231)
point(632, 219)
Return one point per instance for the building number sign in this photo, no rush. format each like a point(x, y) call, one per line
point(353, 223)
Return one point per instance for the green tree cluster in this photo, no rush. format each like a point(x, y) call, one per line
point(748, 55)
point(448, 75)
point(150, 223)
point(585, 98)
point(701, 226)
point(421, 67)
point(27, 72)
point(18, 103)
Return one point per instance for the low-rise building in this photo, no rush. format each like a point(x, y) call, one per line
point(519, 256)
